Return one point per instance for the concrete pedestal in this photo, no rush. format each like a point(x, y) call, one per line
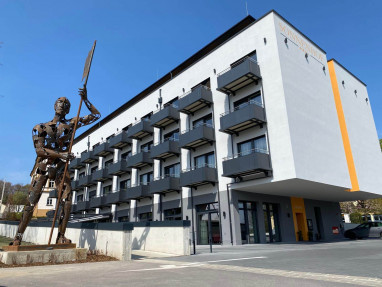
point(43, 256)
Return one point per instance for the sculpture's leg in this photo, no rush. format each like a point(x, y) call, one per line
point(33, 198)
point(65, 208)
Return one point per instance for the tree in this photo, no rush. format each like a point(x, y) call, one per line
point(17, 200)
point(380, 143)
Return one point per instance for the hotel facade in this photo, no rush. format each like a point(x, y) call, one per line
point(255, 138)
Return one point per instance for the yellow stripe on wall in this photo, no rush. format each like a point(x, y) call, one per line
point(344, 130)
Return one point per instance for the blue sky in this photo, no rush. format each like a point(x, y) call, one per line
point(45, 44)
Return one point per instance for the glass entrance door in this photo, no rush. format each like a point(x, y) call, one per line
point(271, 222)
point(248, 222)
point(208, 224)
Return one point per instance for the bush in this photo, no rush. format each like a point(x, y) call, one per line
point(13, 216)
point(356, 217)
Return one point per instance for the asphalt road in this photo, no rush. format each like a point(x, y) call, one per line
point(347, 263)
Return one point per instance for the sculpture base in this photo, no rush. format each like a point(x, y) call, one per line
point(39, 254)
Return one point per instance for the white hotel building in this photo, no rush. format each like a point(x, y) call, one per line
point(255, 138)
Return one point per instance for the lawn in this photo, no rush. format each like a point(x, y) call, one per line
point(5, 241)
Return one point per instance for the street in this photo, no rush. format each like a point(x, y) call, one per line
point(347, 263)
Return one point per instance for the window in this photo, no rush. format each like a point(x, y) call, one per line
point(82, 174)
point(108, 163)
point(106, 190)
point(172, 170)
point(173, 214)
point(51, 184)
point(123, 219)
point(146, 146)
point(171, 136)
point(146, 117)
point(205, 160)
point(124, 184)
point(92, 194)
point(254, 145)
point(93, 169)
point(204, 121)
point(173, 102)
point(251, 99)
point(251, 55)
point(144, 179)
point(206, 83)
point(125, 155)
point(80, 198)
point(146, 216)
point(49, 201)
point(126, 128)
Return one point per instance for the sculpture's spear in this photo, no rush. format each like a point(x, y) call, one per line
point(85, 76)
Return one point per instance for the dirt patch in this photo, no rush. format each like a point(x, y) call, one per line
point(90, 258)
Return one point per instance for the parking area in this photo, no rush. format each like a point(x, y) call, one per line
point(345, 263)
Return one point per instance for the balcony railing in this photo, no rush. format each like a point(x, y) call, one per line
point(102, 149)
point(199, 135)
point(120, 140)
point(238, 76)
point(101, 174)
point(76, 163)
point(138, 191)
point(249, 162)
point(165, 149)
point(195, 100)
point(139, 160)
point(88, 157)
point(119, 167)
point(242, 117)
point(140, 129)
point(85, 181)
point(166, 116)
point(198, 175)
point(166, 183)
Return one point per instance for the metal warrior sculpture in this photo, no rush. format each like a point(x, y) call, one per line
point(53, 143)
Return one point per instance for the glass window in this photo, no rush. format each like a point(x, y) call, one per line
point(251, 99)
point(109, 162)
point(82, 174)
point(93, 169)
point(174, 136)
point(49, 201)
point(206, 120)
point(124, 184)
point(205, 160)
point(125, 155)
point(172, 170)
point(146, 216)
point(173, 214)
point(146, 178)
point(51, 184)
point(106, 189)
point(92, 194)
point(80, 198)
point(146, 146)
point(254, 145)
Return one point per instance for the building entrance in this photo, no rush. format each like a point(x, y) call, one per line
point(248, 223)
point(208, 223)
point(271, 222)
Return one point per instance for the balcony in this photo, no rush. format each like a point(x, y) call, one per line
point(76, 163)
point(88, 157)
point(195, 100)
point(165, 116)
point(97, 201)
point(119, 140)
point(165, 184)
point(74, 185)
point(101, 175)
point(119, 167)
point(113, 198)
point(103, 149)
point(85, 181)
point(137, 192)
point(74, 208)
point(139, 160)
point(165, 149)
point(242, 118)
point(83, 205)
point(198, 176)
point(200, 135)
point(238, 76)
point(246, 163)
point(140, 129)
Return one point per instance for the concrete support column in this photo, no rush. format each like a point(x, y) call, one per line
point(133, 215)
point(74, 199)
point(134, 176)
point(115, 186)
point(117, 155)
point(157, 207)
point(114, 212)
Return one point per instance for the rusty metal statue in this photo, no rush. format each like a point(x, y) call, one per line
point(52, 142)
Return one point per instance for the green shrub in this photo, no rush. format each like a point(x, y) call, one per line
point(356, 217)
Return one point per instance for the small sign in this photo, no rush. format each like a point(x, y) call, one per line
point(335, 230)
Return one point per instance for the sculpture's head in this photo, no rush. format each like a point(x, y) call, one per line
point(62, 106)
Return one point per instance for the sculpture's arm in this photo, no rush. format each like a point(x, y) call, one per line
point(39, 142)
point(89, 119)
